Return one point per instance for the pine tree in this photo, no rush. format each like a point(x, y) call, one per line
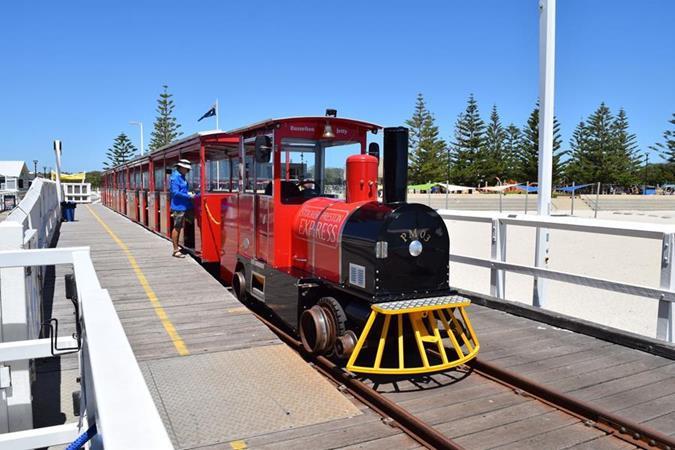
point(428, 158)
point(624, 157)
point(467, 148)
point(667, 149)
point(121, 151)
point(494, 162)
point(165, 126)
point(528, 154)
point(579, 165)
point(511, 149)
point(603, 150)
point(599, 145)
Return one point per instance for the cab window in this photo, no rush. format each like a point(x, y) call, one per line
point(313, 168)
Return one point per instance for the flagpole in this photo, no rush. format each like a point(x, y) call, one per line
point(217, 125)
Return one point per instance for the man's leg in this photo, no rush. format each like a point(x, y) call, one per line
point(178, 222)
point(175, 236)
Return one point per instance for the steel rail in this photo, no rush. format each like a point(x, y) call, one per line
point(414, 427)
point(615, 425)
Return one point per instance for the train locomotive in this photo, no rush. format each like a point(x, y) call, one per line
point(336, 269)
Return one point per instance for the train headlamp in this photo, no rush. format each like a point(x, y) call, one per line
point(415, 248)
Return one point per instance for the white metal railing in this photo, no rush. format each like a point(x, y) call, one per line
point(31, 225)
point(114, 395)
point(498, 266)
point(39, 210)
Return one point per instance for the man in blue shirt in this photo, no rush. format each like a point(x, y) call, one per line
point(181, 203)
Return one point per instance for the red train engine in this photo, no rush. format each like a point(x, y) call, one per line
point(337, 268)
point(289, 210)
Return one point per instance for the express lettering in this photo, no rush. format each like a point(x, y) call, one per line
point(324, 228)
point(321, 231)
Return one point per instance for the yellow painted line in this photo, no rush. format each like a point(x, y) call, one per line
point(238, 309)
point(238, 445)
point(157, 306)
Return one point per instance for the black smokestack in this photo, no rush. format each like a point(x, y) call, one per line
point(395, 165)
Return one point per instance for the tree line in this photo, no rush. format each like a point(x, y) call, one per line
point(601, 149)
point(165, 131)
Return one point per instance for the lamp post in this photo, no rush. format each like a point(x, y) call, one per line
point(140, 124)
point(57, 153)
point(35, 161)
point(545, 172)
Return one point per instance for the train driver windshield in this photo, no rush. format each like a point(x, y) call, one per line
point(313, 168)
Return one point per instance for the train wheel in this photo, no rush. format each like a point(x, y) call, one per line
point(239, 285)
point(336, 314)
point(345, 344)
point(321, 325)
point(315, 329)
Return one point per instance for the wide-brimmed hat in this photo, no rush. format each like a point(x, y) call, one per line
point(184, 163)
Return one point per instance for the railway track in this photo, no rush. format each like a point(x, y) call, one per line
point(390, 403)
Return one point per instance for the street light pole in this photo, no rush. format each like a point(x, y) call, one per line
point(546, 94)
point(140, 124)
point(57, 153)
point(35, 161)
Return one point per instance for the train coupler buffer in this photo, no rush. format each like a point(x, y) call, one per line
point(429, 335)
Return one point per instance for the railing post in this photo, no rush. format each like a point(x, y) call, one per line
point(15, 401)
point(665, 322)
point(498, 253)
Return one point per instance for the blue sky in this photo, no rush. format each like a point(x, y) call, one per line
point(81, 70)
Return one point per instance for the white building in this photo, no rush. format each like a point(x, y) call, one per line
point(14, 182)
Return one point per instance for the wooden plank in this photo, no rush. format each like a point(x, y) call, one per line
point(398, 441)
point(514, 431)
point(665, 423)
point(652, 392)
point(332, 438)
point(576, 363)
point(344, 431)
point(486, 404)
point(604, 443)
point(615, 379)
point(650, 409)
point(559, 438)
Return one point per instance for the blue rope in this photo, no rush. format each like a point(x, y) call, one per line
point(83, 439)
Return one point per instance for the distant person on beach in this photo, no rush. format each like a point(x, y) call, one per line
point(181, 203)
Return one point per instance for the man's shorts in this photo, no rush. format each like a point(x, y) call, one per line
point(180, 217)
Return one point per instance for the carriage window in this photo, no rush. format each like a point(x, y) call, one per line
point(222, 175)
point(194, 177)
point(257, 176)
point(159, 176)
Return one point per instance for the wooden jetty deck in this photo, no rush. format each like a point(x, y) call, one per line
point(217, 374)
point(221, 379)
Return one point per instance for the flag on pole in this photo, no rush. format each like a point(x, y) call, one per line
point(210, 113)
